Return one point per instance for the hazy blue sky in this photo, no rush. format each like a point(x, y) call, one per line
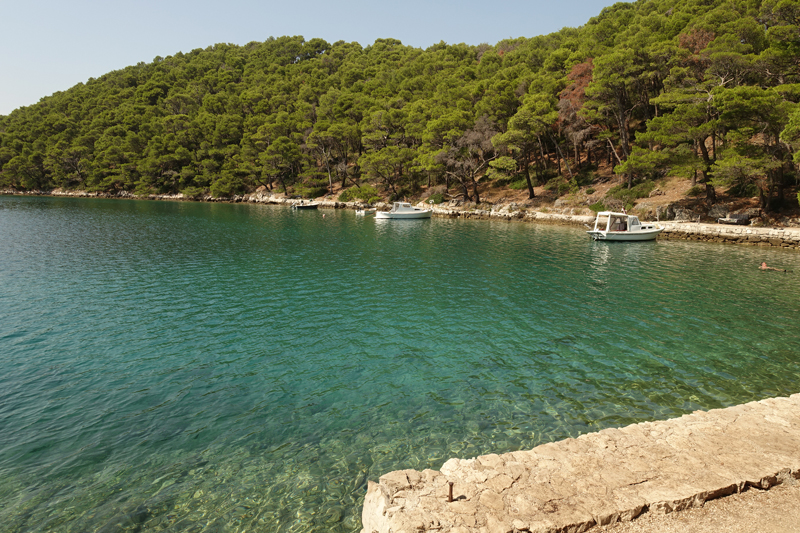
point(51, 45)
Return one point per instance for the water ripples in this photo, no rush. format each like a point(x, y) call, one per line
point(197, 367)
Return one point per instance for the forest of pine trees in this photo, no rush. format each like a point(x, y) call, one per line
point(704, 89)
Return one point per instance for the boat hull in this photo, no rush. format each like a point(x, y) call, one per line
point(403, 216)
point(643, 235)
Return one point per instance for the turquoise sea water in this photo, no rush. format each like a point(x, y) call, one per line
point(203, 367)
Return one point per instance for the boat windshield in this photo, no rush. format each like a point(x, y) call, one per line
point(611, 222)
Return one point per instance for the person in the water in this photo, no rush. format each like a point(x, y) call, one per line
point(765, 267)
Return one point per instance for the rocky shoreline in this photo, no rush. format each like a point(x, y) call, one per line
point(613, 475)
point(683, 228)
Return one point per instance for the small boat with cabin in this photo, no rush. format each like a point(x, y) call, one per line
point(303, 205)
point(612, 226)
point(404, 211)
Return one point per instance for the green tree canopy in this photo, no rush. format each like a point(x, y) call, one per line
point(705, 88)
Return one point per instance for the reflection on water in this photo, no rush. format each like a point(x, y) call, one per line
point(198, 367)
point(388, 227)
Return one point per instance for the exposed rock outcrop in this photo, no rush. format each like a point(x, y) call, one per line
point(599, 478)
point(755, 236)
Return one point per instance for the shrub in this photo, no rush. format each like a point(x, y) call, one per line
point(502, 181)
point(365, 193)
point(518, 185)
point(192, 192)
point(436, 198)
point(552, 184)
point(598, 206)
point(348, 195)
point(311, 191)
point(562, 186)
point(744, 190)
point(584, 177)
point(226, 186)
point(590, 190)
point(696, 190)
point(629, 196)
point(400, 195)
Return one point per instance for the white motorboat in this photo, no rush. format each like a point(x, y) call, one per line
point(365, 212)
point(611, 226)
point(404, 210)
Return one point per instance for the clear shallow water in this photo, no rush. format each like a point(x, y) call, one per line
point(201, 367)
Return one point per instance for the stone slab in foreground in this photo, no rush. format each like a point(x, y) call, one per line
point(598, 478)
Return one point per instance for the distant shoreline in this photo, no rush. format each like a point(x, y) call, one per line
point(769, 237)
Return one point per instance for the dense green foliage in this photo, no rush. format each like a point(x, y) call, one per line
point(702, 88)
point(364, 193)
point(628, 195)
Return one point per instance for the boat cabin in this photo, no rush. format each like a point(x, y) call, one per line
point(611, 221)
point(402, 206)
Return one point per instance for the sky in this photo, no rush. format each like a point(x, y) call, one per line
point(51, 45)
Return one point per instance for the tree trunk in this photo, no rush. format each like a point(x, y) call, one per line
point(704, 153)
point(560, 155)
point(267, 184)
point(770, 191)
point(541, 150)
point(475, 190)
point(614, 151)
point(711, 194)
point(577, 156)
point(558, 162)
point(624, 144)
point(463, 183)
point(328, 168)
point(528, 180)
point(714, 146)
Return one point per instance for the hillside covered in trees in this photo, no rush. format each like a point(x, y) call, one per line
point(706, 89)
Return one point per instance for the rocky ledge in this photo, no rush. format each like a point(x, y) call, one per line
point(756, 236)
point(599, 478)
